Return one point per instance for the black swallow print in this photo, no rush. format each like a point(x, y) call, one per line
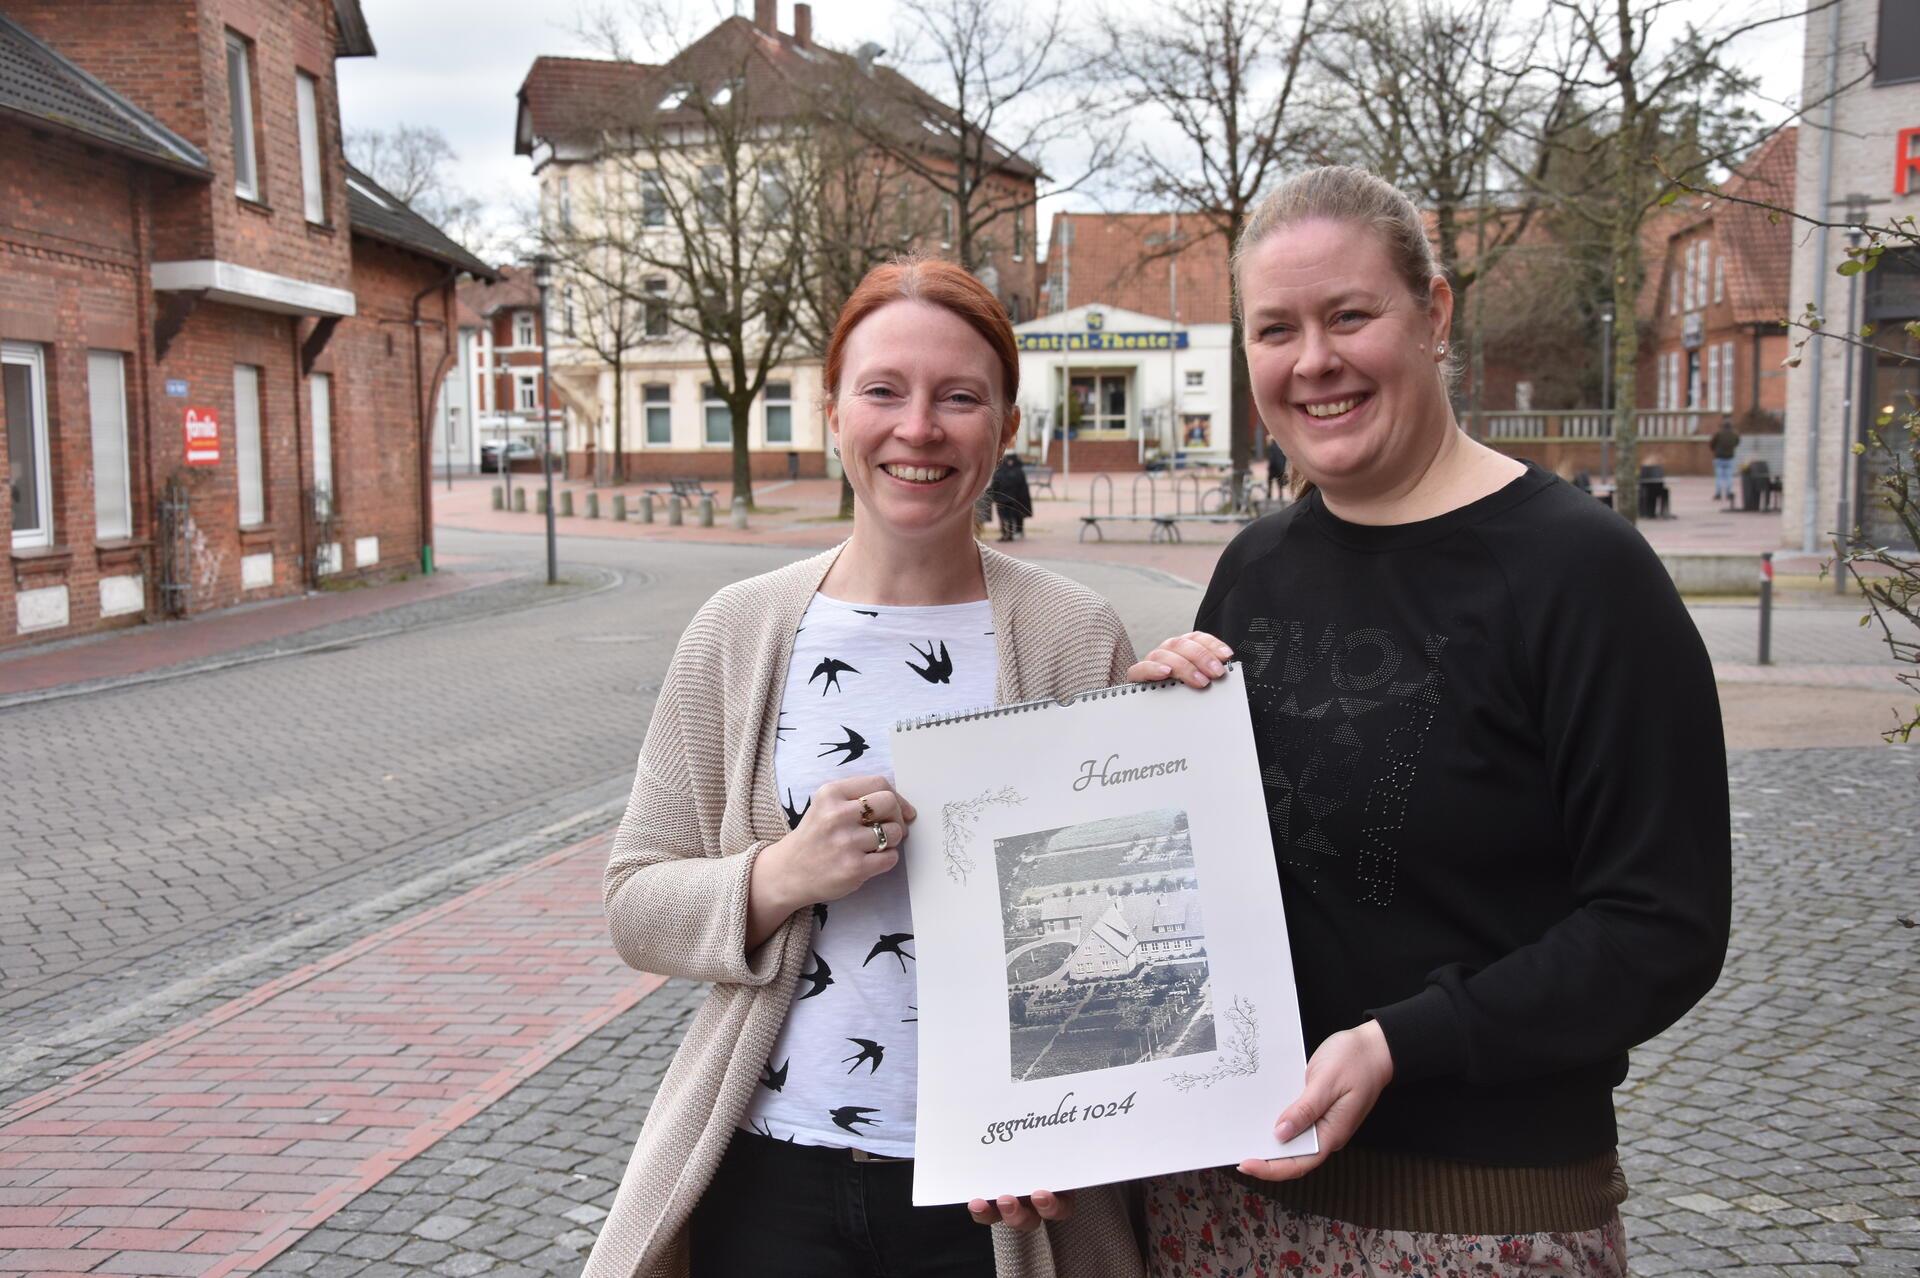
point(865, 613)
point(855, 745)
point(910, 1020)
point(938, 669)
point(870, 1052)
point(793, 817)
point(820, 914)
point(781, 729)
point(820, 977)
point(847, 1115)
point(775, 1079)
point(832, 668)
point(889, 943)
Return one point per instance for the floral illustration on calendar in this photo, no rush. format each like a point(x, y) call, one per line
point(1106, 955)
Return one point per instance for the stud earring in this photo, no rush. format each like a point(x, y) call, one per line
point(1441, 348)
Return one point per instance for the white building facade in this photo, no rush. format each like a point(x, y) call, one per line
point(1858, 161)
point(1135, 388)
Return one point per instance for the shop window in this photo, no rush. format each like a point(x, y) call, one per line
point(247, 452)
point(779, 412)
point(23, 385)
point(107, 405)
point(659, 412)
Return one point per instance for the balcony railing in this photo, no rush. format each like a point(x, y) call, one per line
point(1592, 423)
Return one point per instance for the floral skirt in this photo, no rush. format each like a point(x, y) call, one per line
point(1206, 1222)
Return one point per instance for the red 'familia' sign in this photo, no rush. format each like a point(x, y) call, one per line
point(203, 437)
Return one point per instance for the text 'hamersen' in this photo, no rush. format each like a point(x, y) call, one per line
point(1110, 773)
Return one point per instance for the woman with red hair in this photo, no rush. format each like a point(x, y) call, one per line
point(760, 851)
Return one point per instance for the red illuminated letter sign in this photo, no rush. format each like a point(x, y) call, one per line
point(1906, 164)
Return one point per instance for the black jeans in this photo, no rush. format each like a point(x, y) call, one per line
point(778, 1210)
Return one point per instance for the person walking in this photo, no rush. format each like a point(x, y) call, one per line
point(1011, 497)
point(760, 851)
point(1725, 443)
point(1276, 469)
point(1502, 869)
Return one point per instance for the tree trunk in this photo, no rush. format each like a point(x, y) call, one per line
point(741, 411)
point(619, 436)
point(1626, 344)
point(1240, 382)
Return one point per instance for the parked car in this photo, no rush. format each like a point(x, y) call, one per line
point(517, 450)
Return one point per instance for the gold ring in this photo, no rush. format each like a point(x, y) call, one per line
point(879, 836)
point(866, 813)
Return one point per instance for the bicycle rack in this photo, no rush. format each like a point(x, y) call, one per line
point(1093, 507)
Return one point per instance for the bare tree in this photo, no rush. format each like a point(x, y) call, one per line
point(1224, 77)
point(603, 300)
point(996, 68)
point(1651, 100)
point(415, 162)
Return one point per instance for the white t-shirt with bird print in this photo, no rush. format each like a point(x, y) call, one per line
point(844, 1069)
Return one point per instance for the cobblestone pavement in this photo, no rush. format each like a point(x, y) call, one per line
point(184, 842)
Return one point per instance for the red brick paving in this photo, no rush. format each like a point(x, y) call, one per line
point(214, 1147)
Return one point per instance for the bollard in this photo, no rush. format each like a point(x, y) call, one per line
point(706, 511)
point(593, 505)
point(499, 498)
point(520, 500)
point(646, 508)
point(739, 513)
point(539, 501)
point(566, 502)
point(620, 508)
point(674, 512)
point(1766, 607)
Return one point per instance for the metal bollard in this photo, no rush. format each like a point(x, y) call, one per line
point(675, 515)
point(520, 500)
point(499, 498)
point(539, 501)
point(1766, 607)
point(739, 513)
point(566, 502)
point(620, 508)
point(593, 505)
point(706, 511)
point(646, 508)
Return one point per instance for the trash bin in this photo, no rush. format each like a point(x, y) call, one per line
point(1753, 485)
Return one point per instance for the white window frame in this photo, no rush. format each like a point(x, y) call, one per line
point(1020, 236)
point(313, 188)
point(526, 391)
point(246, 154)
point(34, 358)
point(1712, 395)
point(782, 402)
point(112, 461)
point(655, 308)
point(663, 405)
point(248, 454)
point(1720, 278)
point(524, 337)
point(709, 400)
point(1726, 377)
point(320, 399)
point(653, 199)
point(1673, 291)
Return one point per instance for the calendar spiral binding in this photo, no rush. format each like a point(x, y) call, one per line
point(1044, 703)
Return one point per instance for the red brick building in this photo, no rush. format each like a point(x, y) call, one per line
point(218, 340)
point(508, 394)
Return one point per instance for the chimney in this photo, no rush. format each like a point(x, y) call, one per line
point(803, 25)
point(766, 16)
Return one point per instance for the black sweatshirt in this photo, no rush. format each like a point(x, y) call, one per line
point(1497, 783)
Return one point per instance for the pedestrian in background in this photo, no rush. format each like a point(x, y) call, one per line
point(1725, 443)
point(1011, 497)
point(1276, 469)
point(1502, 867)
point(760, 851)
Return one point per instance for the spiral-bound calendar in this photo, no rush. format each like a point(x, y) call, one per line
point(1105, 985)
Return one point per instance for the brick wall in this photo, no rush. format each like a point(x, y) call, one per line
point(69, 257)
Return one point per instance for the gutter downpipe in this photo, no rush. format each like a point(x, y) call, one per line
point(1810, 520)
point(422, 427)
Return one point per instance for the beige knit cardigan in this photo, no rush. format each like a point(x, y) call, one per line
point(703, 806)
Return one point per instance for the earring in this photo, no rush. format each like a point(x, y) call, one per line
point(1442, 348)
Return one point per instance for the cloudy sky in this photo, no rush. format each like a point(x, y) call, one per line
point(456, 65)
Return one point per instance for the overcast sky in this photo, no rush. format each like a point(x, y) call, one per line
point(457, 64)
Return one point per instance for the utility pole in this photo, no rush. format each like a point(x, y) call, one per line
point(542, 278)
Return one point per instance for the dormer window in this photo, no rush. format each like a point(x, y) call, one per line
point(676, 97)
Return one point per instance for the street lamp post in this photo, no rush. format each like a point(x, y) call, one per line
point(1606, 388)
point(542, 278)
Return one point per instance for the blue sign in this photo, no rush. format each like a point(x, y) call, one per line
point(177, 387)
point(1103, 341)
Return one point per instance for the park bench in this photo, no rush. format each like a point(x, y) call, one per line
point(1039, 477)
point(685, 489)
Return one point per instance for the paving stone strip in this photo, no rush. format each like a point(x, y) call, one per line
point(216, 1146)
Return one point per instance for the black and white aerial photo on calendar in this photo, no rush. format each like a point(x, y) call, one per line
point(1106, 947)
point(1105, 987)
